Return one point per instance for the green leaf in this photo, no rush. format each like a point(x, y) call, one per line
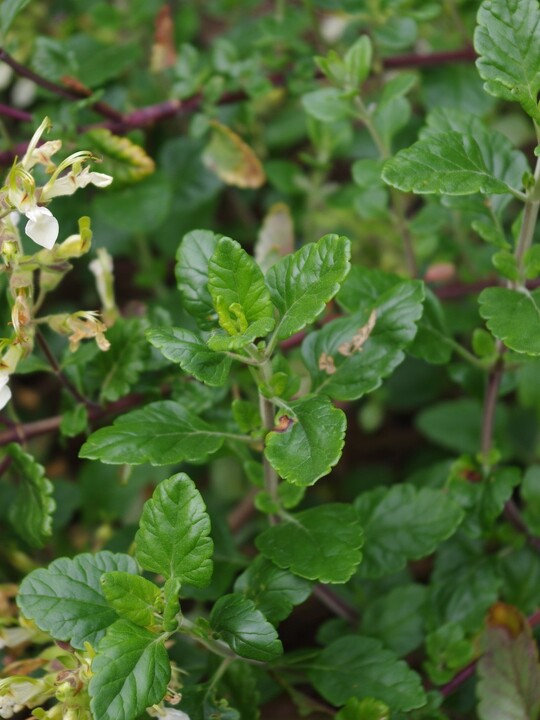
point(245, 629)
point(328, 105)
point(192, 354)
point(311, 444)
point(31, 510)
point(221, 342)
point(131, 672)
point(236, 285)
point(356, 666)
point(446, 164)
point(507, 38)
point(66, 600)
point(9, 11)
point(120, 367)
point(74, 421)
point(241, 686)
point(301, 284)
point(432, 343)
point(396, 618)
point(161, 433)
point(465, 582)
point(513, 316)
point(344, 373)
point(132, 596)
point(456, 424)
point(502, 159)
point(273, 590)
point(137, 209)
point(173, 537)
point(126, 161)
point(530, 492)
point(322, 543)
point(192, 258)
point(365, 709)
point(508, 671)
point(483, 500)
point(403, 523)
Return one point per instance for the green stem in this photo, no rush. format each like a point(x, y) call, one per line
point(222, 669)
point(398, 217)
point(528, 224)
point(218, 647)
point(267, 411)
point(243, 358)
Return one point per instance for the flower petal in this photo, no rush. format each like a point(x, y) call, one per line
point(5, 396)
point(42, 227)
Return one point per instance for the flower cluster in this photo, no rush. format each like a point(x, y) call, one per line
point(22, 195)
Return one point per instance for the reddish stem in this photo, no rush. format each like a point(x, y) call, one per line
point(469, 670)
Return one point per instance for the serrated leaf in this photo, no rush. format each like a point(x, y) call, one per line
point(126, 161)
point(507, 39)
point(356, 666)
point(301, 284)
point(322, 543)
point(66, 599)
point(502, 159)
point(238, 291)
point(245, 629)
point(120, 367)
point(173, 536)
point(513, 316)
point(132, 596)
point(192, 354)
point(445, 164)
point(31, 510)
point(311, 444)
point(232, 159)
point(192, 259)
point(349, 375)
point(131, 672)
point(403, 523)
point(273, 590)
point(508, 685)
point(161, 433)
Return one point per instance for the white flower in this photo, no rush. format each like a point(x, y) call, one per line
point(68, 184)
point(42, 227)
point(5, 392)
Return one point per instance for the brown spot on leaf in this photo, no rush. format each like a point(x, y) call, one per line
point(356, 343)
point(284, 423)
point(326, 363)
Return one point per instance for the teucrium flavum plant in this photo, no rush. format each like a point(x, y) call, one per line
point(309, 471)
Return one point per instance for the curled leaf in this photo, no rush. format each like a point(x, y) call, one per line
point(232, 160)
point(127, 162)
